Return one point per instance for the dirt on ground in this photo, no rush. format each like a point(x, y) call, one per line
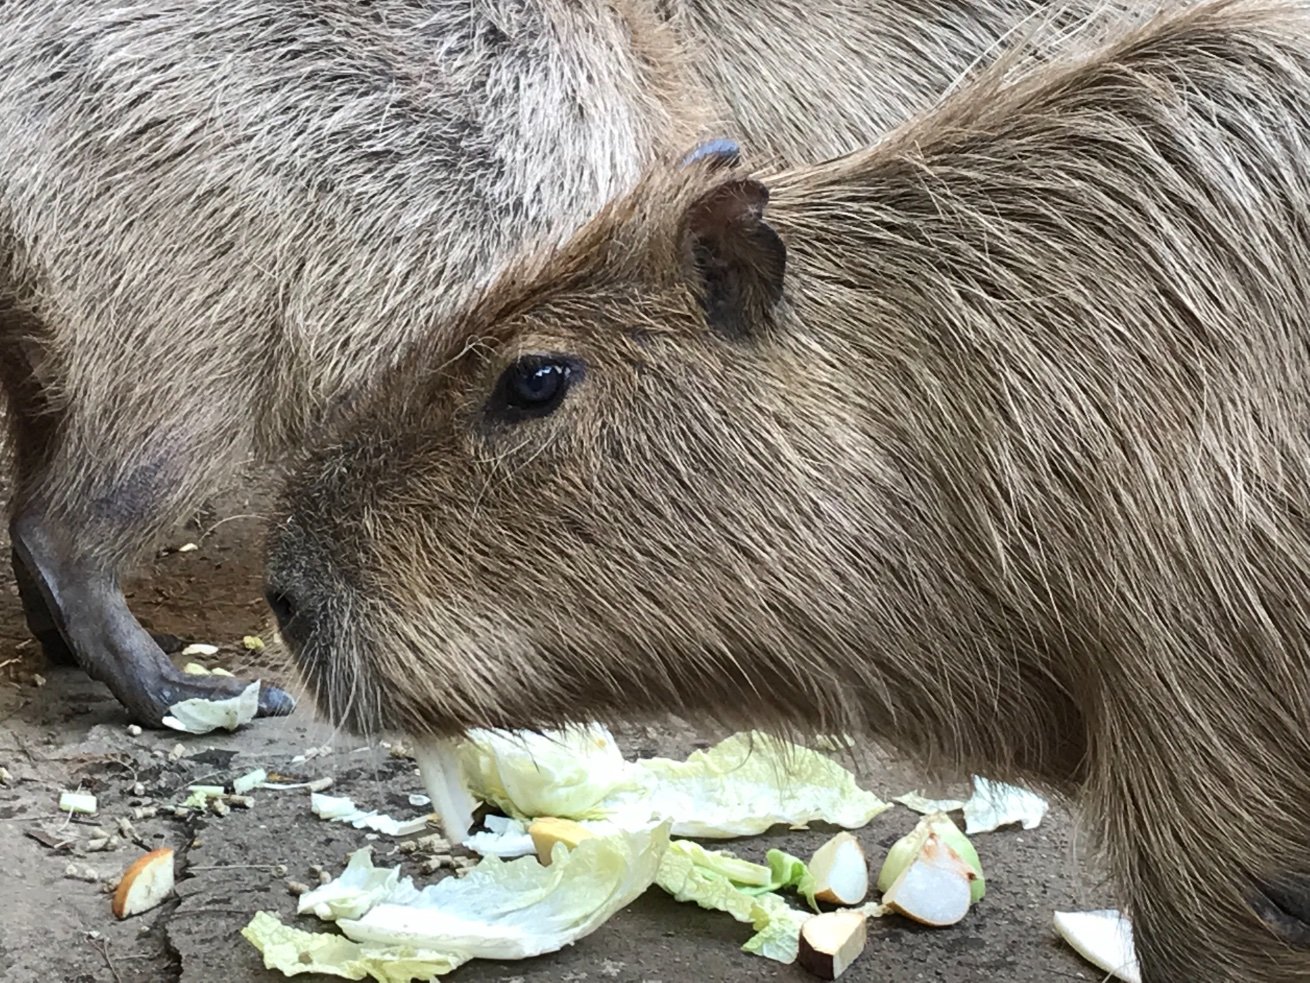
point(60, 731)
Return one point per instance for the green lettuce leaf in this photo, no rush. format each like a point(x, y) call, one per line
point(689, 872)
point(565, 773)
point(518, 908)
point(746, 784)
point(741, 787)
point(292, 952)
point(498, 910)
point(359, 888)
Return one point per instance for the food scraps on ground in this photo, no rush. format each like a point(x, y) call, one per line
point(196, 669)
point(499, 910)
point(146, 883)
point(200, 716)
point(590, 831)
point(743, 786)
point(343, 810)
point(991, 806)
point(927, 879)
point(904, 851)
point(1104, 938)
point(504, 837)
point(250, 781)
point(840, 871)
point(80, 803)
point(548, 831)
point(830, 942)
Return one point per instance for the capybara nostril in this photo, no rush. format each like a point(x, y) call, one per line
point(285, 609)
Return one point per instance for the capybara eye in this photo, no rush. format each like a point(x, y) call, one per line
point(534, 386)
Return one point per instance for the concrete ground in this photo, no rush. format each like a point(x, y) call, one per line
point(60, 731)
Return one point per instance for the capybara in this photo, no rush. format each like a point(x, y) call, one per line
point(218, 220)
point(989, 442)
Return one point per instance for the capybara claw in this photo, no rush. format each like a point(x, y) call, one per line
point(275, 701)
point(175, 686)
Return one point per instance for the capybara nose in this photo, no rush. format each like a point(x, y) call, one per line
point(285, 609)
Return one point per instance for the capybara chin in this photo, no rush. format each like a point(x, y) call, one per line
point(218, 221)
point(991, 442)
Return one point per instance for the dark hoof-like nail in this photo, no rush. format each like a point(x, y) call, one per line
point(275, 702)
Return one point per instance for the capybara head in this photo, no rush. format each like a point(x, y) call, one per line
point(628, 490)
point(639, 487)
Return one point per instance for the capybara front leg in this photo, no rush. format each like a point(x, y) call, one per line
point(41, 623)
point(83, 603)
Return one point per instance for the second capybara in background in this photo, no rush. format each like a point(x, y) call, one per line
point(991, 442)
point(218, 220)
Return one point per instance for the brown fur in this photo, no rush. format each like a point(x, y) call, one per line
point(215, 222)
point(1011, 476)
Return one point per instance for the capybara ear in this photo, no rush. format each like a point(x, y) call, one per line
point(718, 153)
point(736, 257)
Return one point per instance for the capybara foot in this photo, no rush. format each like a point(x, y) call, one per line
point(1284, 904)
point(87, 610)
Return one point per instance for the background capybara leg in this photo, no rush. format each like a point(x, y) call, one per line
point(85, 605)
point(41, 623)
point(67, 560)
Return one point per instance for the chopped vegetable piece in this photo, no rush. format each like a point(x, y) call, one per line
point(829, 943)
point(83, 803)
point(144, 884)
point(840, 871)
point(200, 716)
point(1104, 938)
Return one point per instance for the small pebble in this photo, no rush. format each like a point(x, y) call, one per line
point(133, 730)
point(81, 872)
point(5, 777)
point(324, 877)
point(253, 643)
point(38, 679)
point(188, 548)
point(177, 753)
